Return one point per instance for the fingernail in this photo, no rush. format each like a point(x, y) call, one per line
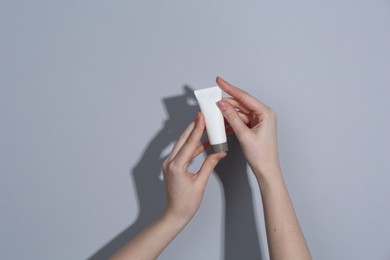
point(222, 105)
point(197, 116)
point(221, 79)
point(222, 155)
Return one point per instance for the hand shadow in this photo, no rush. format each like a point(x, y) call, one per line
point(241, 239)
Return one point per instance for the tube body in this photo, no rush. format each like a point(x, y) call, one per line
point(215, 126)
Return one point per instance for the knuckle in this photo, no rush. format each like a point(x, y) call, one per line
point(210, 164)
point(214, 160)
point(164, 165)
point(230, 114)
point(271, 113)
point(242, 95)
point(172, 167)
point(166, 168)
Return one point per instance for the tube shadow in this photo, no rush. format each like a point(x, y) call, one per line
point(241, 238)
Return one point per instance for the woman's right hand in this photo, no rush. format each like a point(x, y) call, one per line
point(255, 127)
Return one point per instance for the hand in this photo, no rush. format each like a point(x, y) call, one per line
point(184, 189)
point(255, 127)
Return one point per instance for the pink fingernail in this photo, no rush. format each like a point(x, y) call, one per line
point(222, 105)
point(221, 79)
point(222, 155)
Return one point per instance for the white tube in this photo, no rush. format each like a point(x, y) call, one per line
point(215, 126)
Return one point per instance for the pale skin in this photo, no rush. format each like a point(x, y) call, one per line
point(254, 124)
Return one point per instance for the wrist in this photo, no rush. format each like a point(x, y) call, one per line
point(175, 220)
point(268, 175)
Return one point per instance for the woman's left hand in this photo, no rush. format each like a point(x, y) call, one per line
point(184, 189)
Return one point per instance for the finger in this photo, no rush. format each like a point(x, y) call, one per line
point(180, 141)
point(185, 153)
point(237, 105)
point(205, 145)
point(242, 112)
point(233, 117)
point(208, 167)
point(242, 96)
point(201, 148)
point(244, 118)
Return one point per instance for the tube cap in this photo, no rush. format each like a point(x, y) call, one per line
point(219, 148)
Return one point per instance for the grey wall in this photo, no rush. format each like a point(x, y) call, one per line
point(92, 94)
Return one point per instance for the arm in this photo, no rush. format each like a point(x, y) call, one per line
point(255, 127)
point(184, 191)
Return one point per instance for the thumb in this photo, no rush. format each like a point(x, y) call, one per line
point(208, 166)
point(231, 115)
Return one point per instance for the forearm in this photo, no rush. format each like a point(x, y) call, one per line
point(284, 235)
point(153, 240)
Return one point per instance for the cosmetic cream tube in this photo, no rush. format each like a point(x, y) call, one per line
point(215, 126)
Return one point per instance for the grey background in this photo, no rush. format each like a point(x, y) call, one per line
point(92, 94)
